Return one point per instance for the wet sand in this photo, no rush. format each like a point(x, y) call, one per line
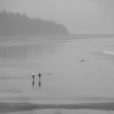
point(66, 78)
point(18, 107)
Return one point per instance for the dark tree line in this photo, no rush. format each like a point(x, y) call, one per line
point(18, 24)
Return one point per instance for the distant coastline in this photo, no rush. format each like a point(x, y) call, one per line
point(16, 24)
point(92, 35)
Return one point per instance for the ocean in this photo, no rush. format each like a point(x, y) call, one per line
point(74, 71)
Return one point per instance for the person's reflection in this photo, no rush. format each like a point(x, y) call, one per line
point(33, 83)
point(39, 83)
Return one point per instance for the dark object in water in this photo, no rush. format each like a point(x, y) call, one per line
point(82, 60)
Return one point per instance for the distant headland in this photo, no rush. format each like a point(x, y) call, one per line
point(20, 24)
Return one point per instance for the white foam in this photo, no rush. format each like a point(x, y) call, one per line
point(109, 52)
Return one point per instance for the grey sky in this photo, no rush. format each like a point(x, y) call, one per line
point(79, 16)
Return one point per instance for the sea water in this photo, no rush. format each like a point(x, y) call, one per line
point(73, 71)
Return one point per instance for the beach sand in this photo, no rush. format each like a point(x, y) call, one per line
point(77, 76)
point(26, 107)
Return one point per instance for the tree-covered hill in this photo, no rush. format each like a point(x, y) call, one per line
point(18, 24)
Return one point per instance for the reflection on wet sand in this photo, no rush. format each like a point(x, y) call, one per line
point(70, 73)
point(24, 53)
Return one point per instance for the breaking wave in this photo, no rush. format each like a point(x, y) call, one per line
point(108, 52)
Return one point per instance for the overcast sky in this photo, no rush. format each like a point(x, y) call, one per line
point(79, 16)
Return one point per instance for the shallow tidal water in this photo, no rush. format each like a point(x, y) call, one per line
point(73, 71)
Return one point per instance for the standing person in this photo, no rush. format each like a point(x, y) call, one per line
point(33, 76)
point(39, 75)
point(39, 82)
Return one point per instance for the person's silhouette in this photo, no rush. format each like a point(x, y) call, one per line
point(39, 82)
point(33, 76)
point(39, 75)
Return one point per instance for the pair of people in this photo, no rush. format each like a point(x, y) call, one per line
point(33, 77)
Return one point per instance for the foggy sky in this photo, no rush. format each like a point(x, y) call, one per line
point(79, 16)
